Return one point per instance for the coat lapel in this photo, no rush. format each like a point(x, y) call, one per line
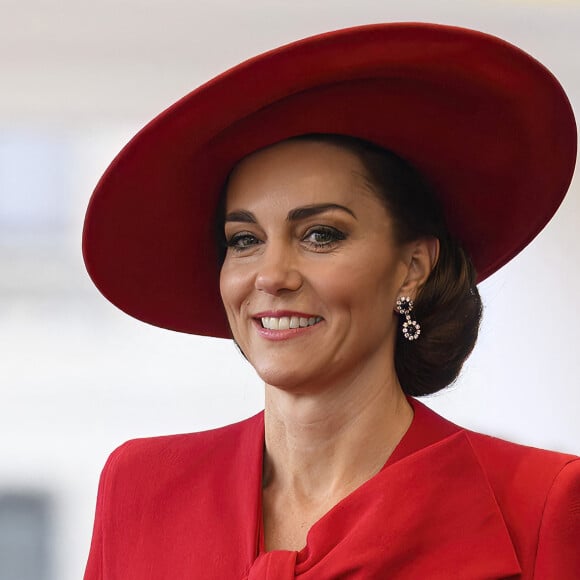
point(429, 513)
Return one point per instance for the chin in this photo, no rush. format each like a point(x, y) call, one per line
point(285, 381)
point(285, 377)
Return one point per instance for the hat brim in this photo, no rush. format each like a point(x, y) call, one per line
point(488, 126)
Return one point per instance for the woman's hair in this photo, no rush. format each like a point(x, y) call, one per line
point(448, 307)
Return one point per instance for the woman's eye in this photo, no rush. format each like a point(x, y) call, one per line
point(242, 241)
point(323, 237)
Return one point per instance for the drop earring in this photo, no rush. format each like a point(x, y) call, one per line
point(410, 328)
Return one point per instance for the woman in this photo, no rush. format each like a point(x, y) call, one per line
point(359, 180)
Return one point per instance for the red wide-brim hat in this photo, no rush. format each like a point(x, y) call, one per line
point(488, 126)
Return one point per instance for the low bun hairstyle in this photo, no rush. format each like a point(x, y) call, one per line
point(448, 307)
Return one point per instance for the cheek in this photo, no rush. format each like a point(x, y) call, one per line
point(226, 287)
point(234, 287)
point(363, 289)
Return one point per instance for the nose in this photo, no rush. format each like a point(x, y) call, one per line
point(278, 270)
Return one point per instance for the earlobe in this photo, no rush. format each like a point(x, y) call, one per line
point(422, 258)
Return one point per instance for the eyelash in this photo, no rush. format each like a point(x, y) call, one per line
point(238, 242)
point(333, 236)
point(244, 240)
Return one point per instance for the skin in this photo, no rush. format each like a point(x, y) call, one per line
point(307, 235)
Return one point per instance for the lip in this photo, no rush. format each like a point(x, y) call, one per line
point(279, 335)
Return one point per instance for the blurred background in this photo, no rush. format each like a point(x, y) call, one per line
point(77, 377)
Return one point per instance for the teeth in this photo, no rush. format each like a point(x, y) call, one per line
point(286, 322)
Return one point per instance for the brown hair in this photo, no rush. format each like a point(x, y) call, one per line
point(448, 307)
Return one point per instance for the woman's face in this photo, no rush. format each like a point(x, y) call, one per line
point(312, 271)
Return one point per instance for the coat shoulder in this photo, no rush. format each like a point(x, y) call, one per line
point(538, 493)
point(171, 450)
point(161, 496)
point(160, 462)
point(506, 463)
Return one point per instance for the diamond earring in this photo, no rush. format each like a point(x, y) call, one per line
point(410, 328)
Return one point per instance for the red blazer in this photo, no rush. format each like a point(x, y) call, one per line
point(449, 503)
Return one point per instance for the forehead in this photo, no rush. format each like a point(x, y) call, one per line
point(299, 172)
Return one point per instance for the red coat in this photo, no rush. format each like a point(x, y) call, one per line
point(449, 503)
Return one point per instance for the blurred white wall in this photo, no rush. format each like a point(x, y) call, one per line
point(77, 377)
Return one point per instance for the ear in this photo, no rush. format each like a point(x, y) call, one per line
point(421, 256)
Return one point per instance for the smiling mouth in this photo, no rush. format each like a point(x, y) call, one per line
point(287, 322)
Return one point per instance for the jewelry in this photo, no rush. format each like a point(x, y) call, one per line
point(411, 328)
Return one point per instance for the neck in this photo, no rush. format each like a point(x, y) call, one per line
point(322, 446)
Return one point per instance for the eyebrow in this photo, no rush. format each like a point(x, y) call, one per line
point(294, 215)
point(241, 215)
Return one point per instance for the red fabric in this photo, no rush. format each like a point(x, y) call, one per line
point(448, 504)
